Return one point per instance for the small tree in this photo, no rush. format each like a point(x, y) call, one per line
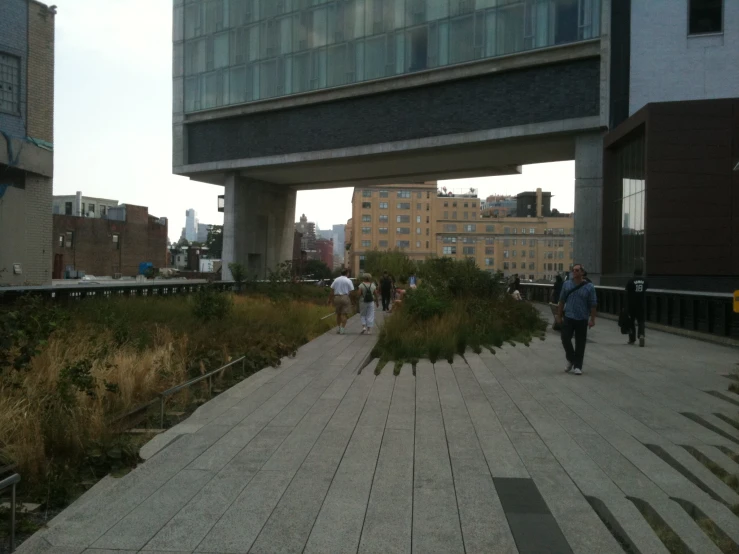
point(214, 242)
point(238, 273)
point(317, 269)
point(395, 262)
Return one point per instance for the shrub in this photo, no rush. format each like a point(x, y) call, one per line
point(394, 262)
point(210, 304)
point(424, 303)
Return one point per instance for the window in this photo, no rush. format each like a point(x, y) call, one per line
point(404, 194)
point(466, 205)
point(383, 230)
point(10, 83)
point(513, 265)
point(523, 231)
point(68, 239)
point(383, 205)
point(418, 219)
point(446, 215)
point(428, 206)
point(454, 204)
point(466, 215)
point(523, 253)
point(515, 242)
point(427, 244)
point(532, 253)
point(514, 230)
point(446, 204)
point(60, 242)
point(403, 244)
point(383, 244)
point(116, 241)
point(489, 240)
point(403, 230)
point(419, 194)
point(366, 243)
point(366, 230)
point(506, 265)
point(513, 253)
point(448, 250)
point(383, 219)
point(83, 208)
point(418, 242)
point(523, 242)
point(383, 194)
point(506, 242)
point(427, 231)
point(449, 240)
point(404, 206)
point(506, 230)
point(366, 205)
point(403, 219)
point(489, 228)
point(366, 193)
point(450, 228)
point(532, 231)
point(506, 254)
point(418, 230)
point(427, 220)
point(361, 263)
point(489, 261)
point(67, 208)
point(705, 16)
point(468, 240)
point(468, 250)
point(91, 208)
point(418, 206)
point(532, 265)
point(366, 218)
point(103, 209)
point(561, 255)
point(454, 215)
point(474, 204)
point(489, 250)
point(471, 228)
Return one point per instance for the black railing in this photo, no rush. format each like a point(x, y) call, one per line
point(11, 482)
point(703, 312)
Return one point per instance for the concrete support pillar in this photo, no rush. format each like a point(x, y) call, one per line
point(589, 203)
point(258, 225)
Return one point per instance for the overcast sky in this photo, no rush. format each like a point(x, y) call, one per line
point(113, 121)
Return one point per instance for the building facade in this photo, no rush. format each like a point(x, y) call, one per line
point(191, 225)
point(26, 141)
point(422, 223)
point(110, 246)
point(325, 252)
point(82, 206)
point(671, 159)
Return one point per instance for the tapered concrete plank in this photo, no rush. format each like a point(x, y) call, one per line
point(722, 516)
point(718, 457)
point(684, 526)
point(236, 531)
point(403, 406)
point(188, 528)
point(388, 522)
point(436, 526)
point(215, 458)
point(376, 408)
point(633, 525)
point(705, 475)
point(339, 523)
point(138, 527)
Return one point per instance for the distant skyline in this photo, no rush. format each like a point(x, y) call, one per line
point(113, 122)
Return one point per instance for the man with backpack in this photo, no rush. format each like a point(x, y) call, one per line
point(386, 290)
point(577, 301)
point(636, 292)
point(367, 303)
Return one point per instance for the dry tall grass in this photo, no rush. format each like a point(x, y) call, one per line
point(53, 413)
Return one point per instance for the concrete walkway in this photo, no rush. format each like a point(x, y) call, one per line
point(495, 453)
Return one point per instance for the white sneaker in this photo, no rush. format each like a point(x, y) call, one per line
point(364, 330)
point(369, 330)
point(568, 367)
point(342, 330)
point(577, 371)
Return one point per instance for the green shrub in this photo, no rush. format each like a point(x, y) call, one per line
point(210, 304)
point(423, 303)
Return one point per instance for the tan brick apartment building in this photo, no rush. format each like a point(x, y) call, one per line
point(26, 141)
point(423, 222)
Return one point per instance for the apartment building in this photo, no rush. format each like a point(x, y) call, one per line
point(537, 248)
point(395, 216)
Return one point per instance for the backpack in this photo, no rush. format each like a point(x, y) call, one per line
point(368, 294)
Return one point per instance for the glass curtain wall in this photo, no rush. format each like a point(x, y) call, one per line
point(630, 207)
point(239, 51)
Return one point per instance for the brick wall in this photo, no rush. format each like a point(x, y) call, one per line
point(94, 252)
point(14, 41)
point(533, 95)
point(40, 120)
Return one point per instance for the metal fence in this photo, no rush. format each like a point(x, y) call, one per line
point(704, 312)
point(11, 482)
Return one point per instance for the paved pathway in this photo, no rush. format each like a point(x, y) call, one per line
point(495, 453)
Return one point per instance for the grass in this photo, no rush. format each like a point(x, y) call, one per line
point(730, 479)
point(109, 356)
point(673, 543)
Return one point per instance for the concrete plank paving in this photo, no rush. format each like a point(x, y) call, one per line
point(496, 452)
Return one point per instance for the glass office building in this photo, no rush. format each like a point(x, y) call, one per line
point(238, 51)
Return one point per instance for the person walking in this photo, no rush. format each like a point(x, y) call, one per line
point(558, 282)
point(339, 297)
point(636, 296)
point(386, 290)
point(367, 303)
point(412, 280)
point(577, 300)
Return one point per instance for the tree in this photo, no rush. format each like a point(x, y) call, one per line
point(317, 269)
point(395, 262)
point(214, 242)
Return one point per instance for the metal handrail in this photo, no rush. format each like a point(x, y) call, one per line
point(11, 481)
point(169, 392)
point(650, 291)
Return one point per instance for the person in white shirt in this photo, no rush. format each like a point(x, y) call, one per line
point(368, 301)
point(339, 297)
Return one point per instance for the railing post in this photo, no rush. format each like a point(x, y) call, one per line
point(12, 518)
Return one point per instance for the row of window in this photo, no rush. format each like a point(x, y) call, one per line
point(366, 244)
point(86, 208)
point(465, 215)
point(366, 218)
point(67, 240)
point(399, 206)
point(398, 230)
point(464, 205)
point(367, 193)
point(532, 266)
point(532, 254)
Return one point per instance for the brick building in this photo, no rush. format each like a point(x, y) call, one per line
point(325, 251)
point(109, 246)
point(26, 141)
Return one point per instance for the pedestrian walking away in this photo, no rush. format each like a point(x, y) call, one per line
point(636, 297)
point(386, 290)
point(576, 302)
point(339, 297)
point(367, 302)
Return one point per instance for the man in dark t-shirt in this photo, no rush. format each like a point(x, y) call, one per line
point(386, 290)
point(636, 296)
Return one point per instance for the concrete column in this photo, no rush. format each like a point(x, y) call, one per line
point(258, 225)
point(589, 203)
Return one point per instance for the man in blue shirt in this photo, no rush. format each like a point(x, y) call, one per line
point(577, 301)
